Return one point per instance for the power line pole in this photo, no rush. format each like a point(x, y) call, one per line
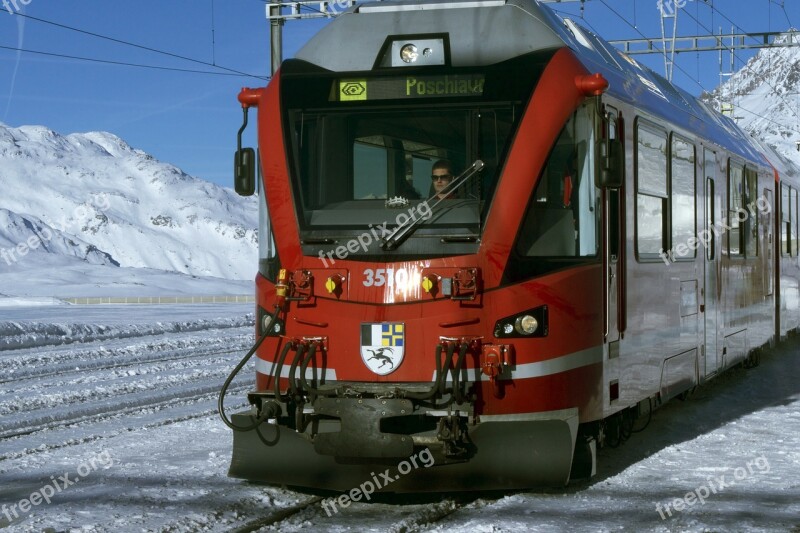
point(669, 11)
point(275, 35)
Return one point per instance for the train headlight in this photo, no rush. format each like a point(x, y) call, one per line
point(409, 53)
point(530, 323)
point(276, 328)
point(414, 51)
point(266, 323)
point(526, 325)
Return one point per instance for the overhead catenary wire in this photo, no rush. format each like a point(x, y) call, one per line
point(125, 63)
point(301, 6)
point(619, 15)
point(136, 45)
point(696, 81)
point(748, 67)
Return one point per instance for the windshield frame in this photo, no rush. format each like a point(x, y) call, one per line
point(303, 97)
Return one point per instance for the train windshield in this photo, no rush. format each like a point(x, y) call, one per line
point(352, 163)
point(364, 152)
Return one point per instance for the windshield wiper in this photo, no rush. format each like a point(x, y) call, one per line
point(403, 231)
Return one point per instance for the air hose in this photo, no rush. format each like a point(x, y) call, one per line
point(273, 408)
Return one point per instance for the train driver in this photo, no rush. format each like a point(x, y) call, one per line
point(441, 177)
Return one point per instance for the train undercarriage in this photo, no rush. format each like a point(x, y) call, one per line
point(337, 435)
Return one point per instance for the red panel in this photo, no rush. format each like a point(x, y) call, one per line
point(575, 324)
point(580, 388)
point(276, 175)
point(555, 99)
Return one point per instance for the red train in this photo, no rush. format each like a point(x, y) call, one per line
point(487, 233)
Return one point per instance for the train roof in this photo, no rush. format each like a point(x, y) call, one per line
point(486, 32)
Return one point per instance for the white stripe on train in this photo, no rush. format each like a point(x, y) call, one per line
point(557, 365)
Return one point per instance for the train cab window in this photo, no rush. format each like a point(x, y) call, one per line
point(354, 162)
point(651, 191)
point(362, 161)
point(736, 204)
point(682, 170)
point(370, 167)
point(786, 221)
point(561, 220)
point(268, 261)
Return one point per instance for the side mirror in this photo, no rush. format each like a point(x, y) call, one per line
point(244, 171)
point(612, 164)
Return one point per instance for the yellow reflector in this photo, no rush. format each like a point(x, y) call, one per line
point(427, 284)
point(330, 285)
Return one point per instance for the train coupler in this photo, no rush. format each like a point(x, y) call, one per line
point(360, 433)
point(452, 432)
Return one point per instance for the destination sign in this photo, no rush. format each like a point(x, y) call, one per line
point(406, 87)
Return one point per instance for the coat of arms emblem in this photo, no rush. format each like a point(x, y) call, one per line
point(382, 346)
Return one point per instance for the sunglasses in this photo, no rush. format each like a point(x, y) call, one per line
point(446, 177)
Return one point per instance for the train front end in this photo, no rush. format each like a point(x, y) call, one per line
point(404, 315)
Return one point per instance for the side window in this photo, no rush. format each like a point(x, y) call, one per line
point(786, 221)
point(562, 218)
point(683, 198)
point(710, 164)
point(735, 205)
point(795, 222)
point(750, 232)
point(651, 191)
point(613, 133)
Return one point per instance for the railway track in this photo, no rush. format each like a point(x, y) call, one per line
point(54, 394)
point(110, 410)
point(277, 517)
point(23, 365)
point(64, 386)
point(411, 517)
point(93, 437)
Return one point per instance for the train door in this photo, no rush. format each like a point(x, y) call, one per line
point(766, 225)
point(614, 267)
point(712, 359)
point(613, 242)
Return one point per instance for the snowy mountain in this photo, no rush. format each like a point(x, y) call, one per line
point(765, 98)
point(91, 199)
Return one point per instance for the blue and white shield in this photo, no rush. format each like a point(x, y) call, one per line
point(382, 346)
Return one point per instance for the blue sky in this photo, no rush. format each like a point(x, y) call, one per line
point(191, 119)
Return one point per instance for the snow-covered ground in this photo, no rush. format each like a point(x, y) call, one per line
point(51, 276)
point(114, 423)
